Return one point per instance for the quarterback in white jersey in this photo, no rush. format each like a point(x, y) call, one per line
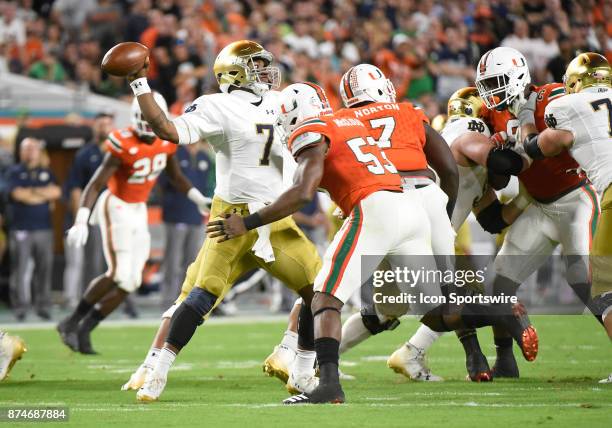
point(581, 122)
point(239, 125)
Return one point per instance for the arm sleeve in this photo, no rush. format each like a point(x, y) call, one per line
point(200, 120)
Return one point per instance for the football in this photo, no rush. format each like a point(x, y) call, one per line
point(125, 59)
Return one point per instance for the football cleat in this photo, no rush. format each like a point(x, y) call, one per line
point(137, 379)
point(12, 349)
point(302, 383)
point(525, 335)
point(506, 367)
point(478, 368)
point(278, 362)
point(153, 387)
point(607, 380)
point(410, 362)
point(69, 335)
point(343, 376)
point(84, 341)
point(330, 393)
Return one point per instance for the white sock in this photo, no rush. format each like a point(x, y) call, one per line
point(151, 357)
point(424, 337)
point(290, 341)
point(304, 362)
point(353, 333)
point(164, 361)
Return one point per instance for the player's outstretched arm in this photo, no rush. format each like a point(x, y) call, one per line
point(159, 122)
point(441, 159)
point(548, 143)
point(183, 185)
point(306, 181)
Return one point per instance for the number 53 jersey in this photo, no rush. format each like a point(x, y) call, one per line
point(588, 116)
point(141, 164)
point(355, 166)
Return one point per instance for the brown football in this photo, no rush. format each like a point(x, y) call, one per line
point(125, 59)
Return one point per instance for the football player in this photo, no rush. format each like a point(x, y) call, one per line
point(12, 349)
point(337, 153)
point(581, 123)
point(564, 208)
point(135, 157)
point(404, 134)
point(238, 123)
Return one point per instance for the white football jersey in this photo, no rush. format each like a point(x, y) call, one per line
point(587, 115)
point(472, 180)
point(248, 152)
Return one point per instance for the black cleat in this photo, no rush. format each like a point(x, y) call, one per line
point(84, 339)
point(478, 367)
point(330, 393)
point(506, 366)
point(68, 334)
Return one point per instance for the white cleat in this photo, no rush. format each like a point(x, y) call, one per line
point(344, 376)
point(137, 379)
point(302, 383)
point(153, 387)
point(278, 363)
point(410, 361)
point(607, 380)
point(12, 349)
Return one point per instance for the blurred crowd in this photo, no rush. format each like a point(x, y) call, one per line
point(429, 48)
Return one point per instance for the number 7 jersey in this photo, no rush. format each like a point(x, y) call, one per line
point(355, 166)
point(588, 116)
point(141, 164)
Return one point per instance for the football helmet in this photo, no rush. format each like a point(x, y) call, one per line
point(465, 102)
point(235, 66)
point(365, 83)
point(140, 125)
point(299, 102)
point(501, 76)
point(586, 70)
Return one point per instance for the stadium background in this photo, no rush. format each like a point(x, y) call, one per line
point(51, 85)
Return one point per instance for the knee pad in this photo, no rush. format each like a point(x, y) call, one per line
point(374, 324)
point(490, 218)
point(124, 277)
point(201, 301)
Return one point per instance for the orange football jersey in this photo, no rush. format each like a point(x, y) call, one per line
point(549, 178)
point(355, 167)
point(141, 164)
point(398, 129)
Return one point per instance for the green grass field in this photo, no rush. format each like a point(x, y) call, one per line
point(217, 381)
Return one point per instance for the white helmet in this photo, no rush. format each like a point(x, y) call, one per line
point(140, 125)
point(366, 83)
point(502, 75)
point(299, 102)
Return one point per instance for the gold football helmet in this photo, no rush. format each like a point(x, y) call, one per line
point(586, 70)
point(439, 122)
point(235, 66)
point(465, 102)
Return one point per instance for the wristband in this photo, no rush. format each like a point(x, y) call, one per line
point(252, 221)
point(198, 198)
point(82, 215)
point(140, 86)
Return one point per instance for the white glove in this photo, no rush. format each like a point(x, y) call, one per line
point(203, 203)
point(338, 213)
point(524, 109)
point(79, 232)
